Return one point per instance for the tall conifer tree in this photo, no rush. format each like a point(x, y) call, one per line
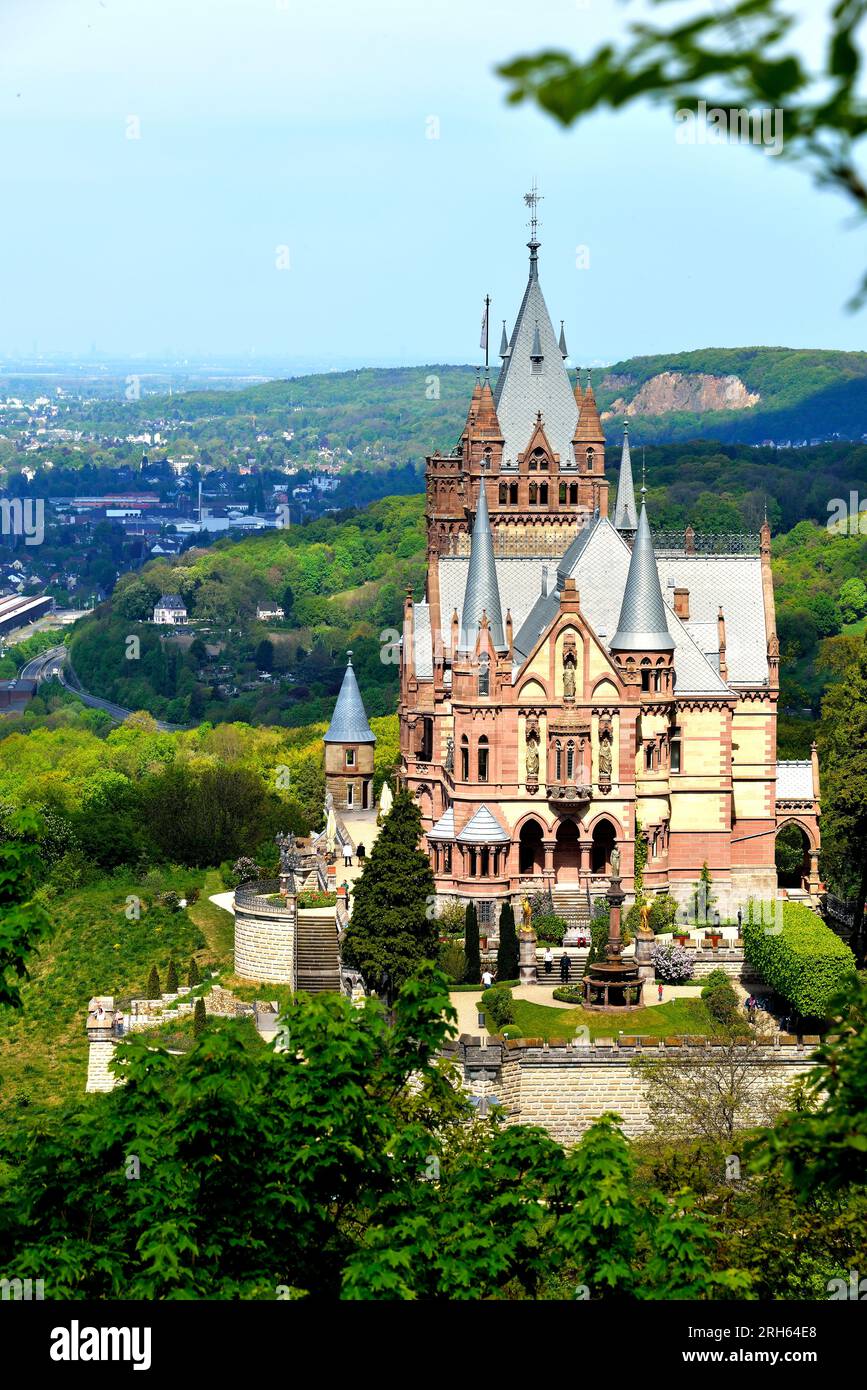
point(473, 972)
point(392, 926)
point(507, 952)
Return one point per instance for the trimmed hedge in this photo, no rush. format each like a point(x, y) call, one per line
point(806, 962)
point(498, 1003)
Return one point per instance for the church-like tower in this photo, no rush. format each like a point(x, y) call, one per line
point(535, 437)
point(349, 747)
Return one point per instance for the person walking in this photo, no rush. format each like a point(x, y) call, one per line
point(548, 959)
point(564, 968)
point(659, 989)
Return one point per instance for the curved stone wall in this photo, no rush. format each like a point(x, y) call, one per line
point(264, 938)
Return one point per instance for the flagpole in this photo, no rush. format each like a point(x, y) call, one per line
point(487, 328)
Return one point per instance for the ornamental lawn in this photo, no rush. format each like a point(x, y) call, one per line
point(678, 1017)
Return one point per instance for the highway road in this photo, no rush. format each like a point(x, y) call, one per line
point(50, 664)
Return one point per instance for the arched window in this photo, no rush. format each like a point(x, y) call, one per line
point(558, 750)
point(484, 673)
point(573, 494)
point(543, 494)
point(562, 494)
point(503, 494)
point(534, 494)
point(645, 675)
point(465, 759)
point(513, 494)
point(533, 464)
point(483, 759)
point(570, 761)
point(590, 457)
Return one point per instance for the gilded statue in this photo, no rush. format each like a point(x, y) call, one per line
point(526, 915)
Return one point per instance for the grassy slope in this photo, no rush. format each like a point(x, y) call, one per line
point(94, 949)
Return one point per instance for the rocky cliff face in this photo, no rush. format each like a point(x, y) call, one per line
point(693, 391)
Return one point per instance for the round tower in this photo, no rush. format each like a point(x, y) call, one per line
point(349, 747)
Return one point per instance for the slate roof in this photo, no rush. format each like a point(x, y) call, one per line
point(483, 829)
point(625, 511)
point(445, 826)
point(795, 781)
point(173, 602)
point(524, 387)
point(482, 594)
point(733, 583)
point(642, 625)
point(349, 721)
point(598, 560)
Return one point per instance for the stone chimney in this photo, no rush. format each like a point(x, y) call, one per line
point(681, 603)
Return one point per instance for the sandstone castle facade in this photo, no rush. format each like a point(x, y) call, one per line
point(568, 677)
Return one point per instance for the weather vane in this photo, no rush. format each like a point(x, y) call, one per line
point(532, 200)
point(643, 473)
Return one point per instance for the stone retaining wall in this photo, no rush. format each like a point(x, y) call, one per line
point(265, 939)
point(565, 1088)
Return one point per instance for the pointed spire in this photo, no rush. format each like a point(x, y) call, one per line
point(564, 351)
point(536, 353)
point(349, 720)
point(482, 594)
point(589, 428)
point(504, 342)
point(642, 626)
point(625, 512)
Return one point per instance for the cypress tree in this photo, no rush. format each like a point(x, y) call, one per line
point(473, 973)
point(507, 951)
point(154, 987)
point(172, 979)
point(393, 925)
point(193, 976)
point(199, 1018)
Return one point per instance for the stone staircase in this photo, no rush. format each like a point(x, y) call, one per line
point(572, 902)
point(317, 962)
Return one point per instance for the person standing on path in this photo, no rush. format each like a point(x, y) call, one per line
point(347, 856)
point(659, 989)
point(549, 959)
point(564, 968)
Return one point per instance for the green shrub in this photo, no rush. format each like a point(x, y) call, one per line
point(168, 899)
point(806, 962)
point(172, 979)
point(154, 986)
point(720, 998)
point(452, 961)
point(499, 1004)
point(663, 913)
point(192, 895)
point(200, 1018)
point(549, 927)
point(511, 1030)
point(451, 919)
point(569, 994)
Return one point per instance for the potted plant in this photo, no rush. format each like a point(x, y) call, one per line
point(681, 937)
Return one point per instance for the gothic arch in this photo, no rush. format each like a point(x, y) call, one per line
point(803, 823)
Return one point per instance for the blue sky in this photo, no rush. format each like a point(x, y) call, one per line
point(280, 123)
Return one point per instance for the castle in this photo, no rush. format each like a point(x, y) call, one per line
point(569, 677)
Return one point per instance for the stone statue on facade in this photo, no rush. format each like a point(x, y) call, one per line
point(532, 761)
point(569, 679)
point(615, 862)
point(450, 754)
point(605, 761)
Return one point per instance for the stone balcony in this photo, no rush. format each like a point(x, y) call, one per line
point(568, 793)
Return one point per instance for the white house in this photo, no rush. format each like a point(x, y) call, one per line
point(170, 609)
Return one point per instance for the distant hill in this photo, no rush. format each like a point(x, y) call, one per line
point(393, 415)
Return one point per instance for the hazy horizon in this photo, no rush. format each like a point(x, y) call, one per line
point(268, 133)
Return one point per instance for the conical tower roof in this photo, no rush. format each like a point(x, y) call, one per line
point(349, 720)
point(521, 391)
point(625, 512)
point(482, 594)
point(589, 429)
point(643, 625)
